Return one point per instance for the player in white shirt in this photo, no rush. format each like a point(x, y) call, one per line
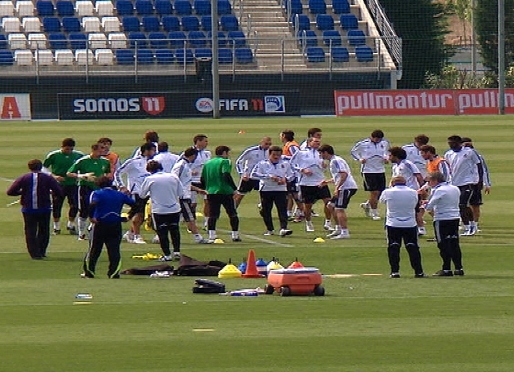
point(128, 178)
point(149, 137)
point(164, 191)
point(244, 166)
point(413, 151)
point(413, 178)
point(310, 168)
point(165, 157)
point(372, 153)
point(444, 205)
point(345, 188)
point(467, 173)
point(401, 202)
point(273, 175)
point(312, 132)
point(182, 169)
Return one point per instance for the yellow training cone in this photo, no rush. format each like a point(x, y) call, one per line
point(218, 241)
point(319, 240)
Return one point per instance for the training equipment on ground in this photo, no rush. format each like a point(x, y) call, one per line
point(319, 240)
point(229, 271)
point(251, 270)
point(208, 286)
point(289, 282)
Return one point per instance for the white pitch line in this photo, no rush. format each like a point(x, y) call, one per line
point(262, 240)
point(6, 179)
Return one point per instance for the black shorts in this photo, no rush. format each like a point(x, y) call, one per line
point(218, 200)
point(466, 195)
point(374, 181)
point(476, 197)
point(342, 201)
point(310, 194)
point(247, 186)
point(139, 206)
point(292, 186)
point(188, 212)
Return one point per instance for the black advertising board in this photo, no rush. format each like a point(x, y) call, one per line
point(114, 105)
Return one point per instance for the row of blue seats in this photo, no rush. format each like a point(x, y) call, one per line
point(179, 7)
point(324, 22)
point(65, 8)
point(332, 37)
point(181, 56)
point(318, 6)
point(339, 54)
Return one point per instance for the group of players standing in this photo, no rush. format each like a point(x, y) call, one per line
point(291, 177)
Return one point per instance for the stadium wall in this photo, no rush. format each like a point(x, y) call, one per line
point(315, 91)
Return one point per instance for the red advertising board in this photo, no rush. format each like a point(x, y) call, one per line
point(420, 102)
point(15, 107)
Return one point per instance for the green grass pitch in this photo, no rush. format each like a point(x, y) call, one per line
point(364, 323)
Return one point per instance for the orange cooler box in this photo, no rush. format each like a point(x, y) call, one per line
point(301, 281)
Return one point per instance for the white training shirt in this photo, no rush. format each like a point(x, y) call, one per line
point(311, 159)
point(337, 166)
point(249, 158)
point(407, 170)
point(167, 160)
point(444, 201)
point(414, 155)
point(135, 171)
point(265, 169)
point(196, 167)
point(463, 166)
point(165, 190)
point(401, 202)
point(182, 169)
point(375, 154)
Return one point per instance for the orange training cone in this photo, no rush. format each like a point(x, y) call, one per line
point(251, 268)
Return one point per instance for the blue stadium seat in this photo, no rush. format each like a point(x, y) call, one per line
point(124, 56)
point(45, 8)
point(203, 53)
point(349, 22)
point(340, 6)
point(57, 40)
point(225, 55)
point(151, 23)
point(3, 42)
point(317, 6)
point(190, 23)
point(124, 7)
point(308, 38)
point(324, 22)
point(163, 7)
point(303, 21)
point(331, 38)
point(184, 56)
point(237, 37)
point(229, 23)
point(339, 54)
point(224, 7)
point(131, 24)
point(315, 54)
point(71, 24)
point(6, 58)
point(295, 6)
point(138, 38)
point(243, 55)
point(144, 56)
point(51, 24)
point(65, 8)
point(158, 40)
point(202, 7)
point(183, 7)
point(164, 56)
point(222, 38)
point(364, 54)
point(356, 37)
point(206, 22)
point(170, 23)
point(78, 40)
point(143, 7)
point(197, 39)
point(177, 39)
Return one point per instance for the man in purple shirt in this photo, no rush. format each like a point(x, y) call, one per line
point(35, 189)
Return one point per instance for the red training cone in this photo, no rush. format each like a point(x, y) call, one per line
point(251, 268)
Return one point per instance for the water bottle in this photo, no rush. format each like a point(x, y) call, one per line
point(83, 296)
point(244, 293)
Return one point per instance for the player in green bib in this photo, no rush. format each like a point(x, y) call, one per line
point(220, 189)
point(57, 163)
point(86, 170)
